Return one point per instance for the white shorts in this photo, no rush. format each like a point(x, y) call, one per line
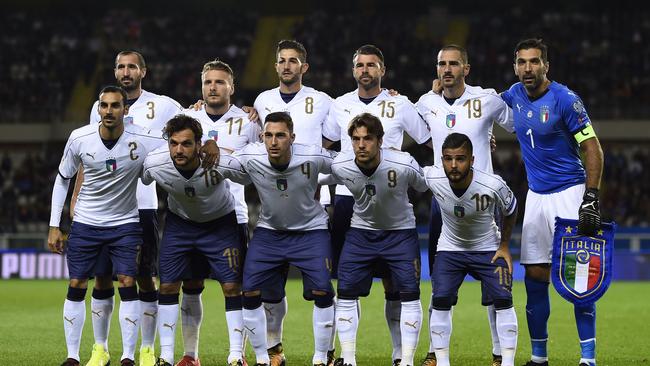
point(539, 221)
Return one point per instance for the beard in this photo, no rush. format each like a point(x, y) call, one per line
point(135, 84)
point(460, 178)
point(372, 83)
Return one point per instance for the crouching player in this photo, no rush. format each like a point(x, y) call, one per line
point(200, 236)
point(382, 229)
point(471, 243)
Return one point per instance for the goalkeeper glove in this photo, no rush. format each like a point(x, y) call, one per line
point(589, 213)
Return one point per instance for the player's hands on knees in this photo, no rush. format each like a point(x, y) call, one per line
point(252, 113)
point(436, 86)
point(589, 213)
point(209, 154)
point(504, 252)
point(55, 240)
point(197, 106)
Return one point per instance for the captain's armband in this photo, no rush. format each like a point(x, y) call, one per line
point(585, 134)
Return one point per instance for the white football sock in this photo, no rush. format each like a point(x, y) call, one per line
point(148, 322)
point(492, 319)
point(440, 328)
point(410, 324)
point(129, 325)
point(332, 342)
point(347, 323)
point(74, 316)
point(255, 324)
point(392, 312)
point(275, 314)
point(235, 323)
point(167, 321)
point(323, 321)
point(191, 317)
point(102, 311)
point(508, 329)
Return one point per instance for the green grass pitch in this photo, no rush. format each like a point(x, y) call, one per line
point(32, 331)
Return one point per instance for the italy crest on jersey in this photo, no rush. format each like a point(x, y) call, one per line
point(190, 192)
point(371, 190)
point(451, 120)
point(214, 135)
point(582, 265)
point(281, 183)
point(544, 114)
point(111, 165)
point(459, 211)
point(128, 120)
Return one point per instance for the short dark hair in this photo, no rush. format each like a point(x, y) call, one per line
point(141, 62)
point(370, 122)
point(182, 122)
point(280, 117)
point(114, 89)
point(369, 49)
point(457, 140)
point(455, 47)
point(537, 43)
point(290, 44)
point(217, 64)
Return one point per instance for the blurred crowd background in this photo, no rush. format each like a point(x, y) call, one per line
point(56, 58)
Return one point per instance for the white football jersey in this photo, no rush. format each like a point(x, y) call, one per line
point(472, 114)
point(287, 196)
point(108, 194)
point(381, 201)
point(232, 132)
point(468, 221)
point(397, 115)
point(308, 110)
point(203, 197)
point(151, 111)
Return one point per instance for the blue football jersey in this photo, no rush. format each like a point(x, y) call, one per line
point(545, 128)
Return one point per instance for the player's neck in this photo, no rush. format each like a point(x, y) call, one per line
point(370, 164)
point(454, 92)
point(290, 88)
point(370, 93)
point(134, 94)
point(463, 184)
point(281, 160)
point(217, 110)
point(189, 167)
point(111, 133)
point(541, 89)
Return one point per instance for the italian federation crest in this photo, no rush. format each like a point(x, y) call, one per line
point(544, 114)
point(451, 120)
point(213, 134)
point(281, 184)
point(111, 165)
point(581, 265)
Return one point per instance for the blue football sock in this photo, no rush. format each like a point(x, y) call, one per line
point(538, 309)
point(586, 323)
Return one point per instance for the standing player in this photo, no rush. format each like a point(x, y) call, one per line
point(382, 231)
point(200, 221)
point(112, 154)
point(470, 110)
point(553, 129)
point(150, 111)
point(308, 108)
point(471, 243)
point(292, 229)
point(397, 115)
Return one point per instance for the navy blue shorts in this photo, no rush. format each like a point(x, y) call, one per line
point(270, 251)
point(87, 243)
point(450, 268)
point(148, 262)
point(191, 250)
point(398, 250)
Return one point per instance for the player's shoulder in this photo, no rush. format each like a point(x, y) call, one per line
point(565, 96)
point(267, 94)
point(475, 91)
point(346, 98)
point(160, 99)
point(139, 132)
point(429, 97)
point(316, 93)
point(255, 148)
point(237, 112)
point(434, 173)
point(399, 99)
point(157, 157)
point(343, 157)
point(400, 159)
point(309, 150)
point(491, 180)
point(191, 112)
point(83, 132)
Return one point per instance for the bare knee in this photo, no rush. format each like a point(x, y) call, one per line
point(171, 288)
point(388, 284)
point(146, 284)
point(231, 289)
point(539, 272)
point(125, 281)
point(103, 282)
point(78, 283)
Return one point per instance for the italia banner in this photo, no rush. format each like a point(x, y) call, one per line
point(581, 268)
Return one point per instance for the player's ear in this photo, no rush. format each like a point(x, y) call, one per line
point(466, 69)
point(293, 137)
point(304, 67)
point(126, 108)
point(144, 72)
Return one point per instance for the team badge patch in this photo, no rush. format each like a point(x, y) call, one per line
point(544, 114)
point(111, 165)
point(213, 135)
point(281, 183)
point(371, 190)
point(459, 211)
point(128, 119)
point(529, 114)
point(582, 265)
point(451, 120)
point(190, 192)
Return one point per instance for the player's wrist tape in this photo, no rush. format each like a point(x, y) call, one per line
point(591, 194)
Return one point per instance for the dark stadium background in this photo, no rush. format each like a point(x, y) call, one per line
point(57, 55)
